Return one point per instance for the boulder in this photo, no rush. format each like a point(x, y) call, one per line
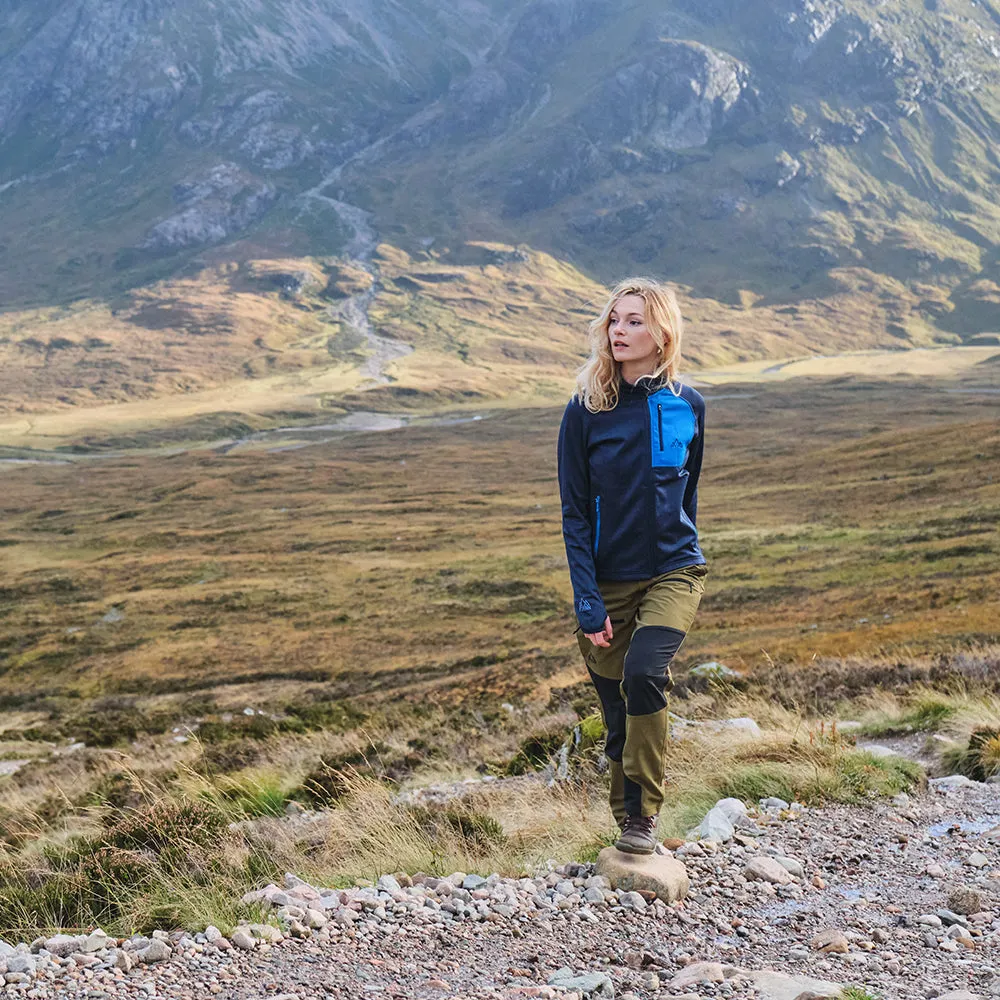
point(767, 870)
point(658, 873)
point(830, 941)
point(773, 802)
point(743, 725)
point(696, 973)
point(721, 821)
point(62, 945)
point(734, 810)
point(715, 826)
point(155, 951)
point(792, 866)
point(243, 939)
point(267, 933)
point(22, 963)
point(97, 941)
point(777, 986)
point(965, 901)
point(592, 984)
point(714, 671)
point(121, 959)
point(952, 781)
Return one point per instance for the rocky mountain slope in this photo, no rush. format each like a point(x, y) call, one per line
point(763, 154)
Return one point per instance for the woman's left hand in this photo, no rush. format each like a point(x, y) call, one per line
point(604, 637)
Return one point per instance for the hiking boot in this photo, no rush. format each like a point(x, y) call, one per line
point(638, 835)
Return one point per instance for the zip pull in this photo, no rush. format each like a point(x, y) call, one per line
point(659, 420)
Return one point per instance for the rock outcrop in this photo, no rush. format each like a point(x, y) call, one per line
point(213, 207)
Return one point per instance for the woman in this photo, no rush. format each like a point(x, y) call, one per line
point(630, 450)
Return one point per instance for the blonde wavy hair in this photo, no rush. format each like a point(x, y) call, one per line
point(599, 381)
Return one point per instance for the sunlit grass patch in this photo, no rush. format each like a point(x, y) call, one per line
point(924, 713)
point(809, 768)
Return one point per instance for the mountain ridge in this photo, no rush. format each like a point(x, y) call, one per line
point(796, 156)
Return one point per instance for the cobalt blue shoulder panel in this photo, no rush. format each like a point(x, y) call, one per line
point(672, 426)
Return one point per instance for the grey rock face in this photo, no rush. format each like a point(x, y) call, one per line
point(674, 98)
point(223, 202)
point(628, 121)
point(100, 71)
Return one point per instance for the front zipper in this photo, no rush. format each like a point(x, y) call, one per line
point(659, 420)
point(597, 531)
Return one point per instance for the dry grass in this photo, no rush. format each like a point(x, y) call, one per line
point(155, 848)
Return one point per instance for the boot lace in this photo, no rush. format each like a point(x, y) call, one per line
point(641, 824)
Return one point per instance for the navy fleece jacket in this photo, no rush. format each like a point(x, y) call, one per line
point(628, 480)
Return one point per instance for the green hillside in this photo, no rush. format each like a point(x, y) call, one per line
point(818, 176)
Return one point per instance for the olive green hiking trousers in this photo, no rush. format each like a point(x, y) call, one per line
point(650, 619)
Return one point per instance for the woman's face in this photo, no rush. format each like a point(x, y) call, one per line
point(630, 340)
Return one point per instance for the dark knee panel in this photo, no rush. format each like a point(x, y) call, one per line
point(613, 708)
point(647, 668)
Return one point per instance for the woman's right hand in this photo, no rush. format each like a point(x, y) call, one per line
point(604, 637)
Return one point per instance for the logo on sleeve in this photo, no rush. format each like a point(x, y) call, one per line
point(584, 604)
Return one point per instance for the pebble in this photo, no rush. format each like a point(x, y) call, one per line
point(830, 941)
point(767, 870)
point(243, 939)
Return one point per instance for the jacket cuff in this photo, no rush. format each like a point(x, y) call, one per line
point(590, 613)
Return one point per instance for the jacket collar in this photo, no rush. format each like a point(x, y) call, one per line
point(645, 387)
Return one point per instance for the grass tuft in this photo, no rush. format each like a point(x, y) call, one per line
point(926, 713)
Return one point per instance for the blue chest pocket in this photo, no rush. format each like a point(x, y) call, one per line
point(672, 427)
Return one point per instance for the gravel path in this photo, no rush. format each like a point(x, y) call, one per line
point(883, 878)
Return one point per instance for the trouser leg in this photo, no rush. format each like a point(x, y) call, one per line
point(613, 713)
point(664, 617)
point(645, 685)
point(632, 683)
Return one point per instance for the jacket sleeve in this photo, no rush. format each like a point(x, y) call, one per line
point(574, 491)
point(693, 466)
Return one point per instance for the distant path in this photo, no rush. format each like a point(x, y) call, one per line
point(353, 312)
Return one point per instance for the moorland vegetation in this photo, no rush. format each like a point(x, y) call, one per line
point(234, 635)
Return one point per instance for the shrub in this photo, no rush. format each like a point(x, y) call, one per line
point(331, 780)
point(333, 715)
point(925, 714)
point(117, 789)
point(753, 782)
point(252, 798)
point(980, 758)
point(535, 751)
point(229, 755)
point(478, 832)
point(164, 863)
point(166, 829)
